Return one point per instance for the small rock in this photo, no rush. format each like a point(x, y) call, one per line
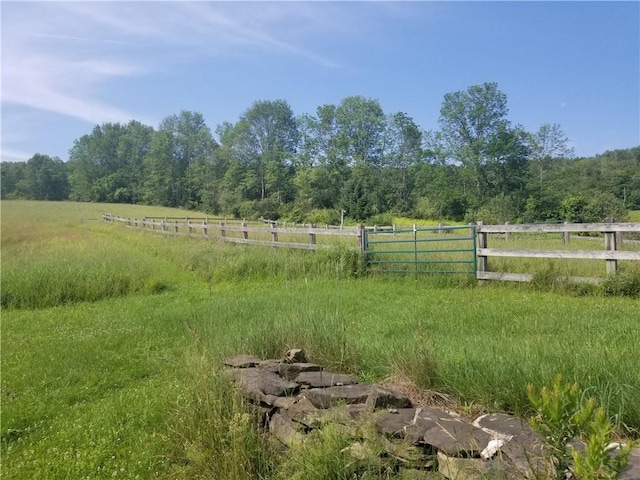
point(323, 379)
point(411, 423)
point(270, 365)
point(292, 370)
point(523, 446)
point(242, 361)
point(381, 397)
point(331, 396)
point(295, 355)
point(285, 430)
point(254, 383)
point(304, 412)
point(457, 439)
point(263, 413)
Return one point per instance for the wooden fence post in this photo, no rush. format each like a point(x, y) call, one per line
point(222, 232)
point(361, 241)
point(507, 235)
point(312, 238)
point(175, 225)
point(205, 234)
point(245, 234)
point(610, 245)
point(164, 224)
point(483, 260)
point(274, 235)
point(566, 236)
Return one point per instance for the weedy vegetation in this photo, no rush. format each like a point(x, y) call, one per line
point(112, 337)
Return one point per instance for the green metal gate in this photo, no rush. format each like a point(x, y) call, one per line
point(421, 250)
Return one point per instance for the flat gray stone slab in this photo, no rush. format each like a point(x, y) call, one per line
point(411, 423)
point(324, 379)
point(507, 426)
point(271, 365)
point(332, 396)
point(292, 370)
point(242, 361)
point(457, 439)
point(304, 412)
point(255, 383)
point(285, 430)
point(381, 397)
point(523, 446)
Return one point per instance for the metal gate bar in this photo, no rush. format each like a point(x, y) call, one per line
point(420, 255)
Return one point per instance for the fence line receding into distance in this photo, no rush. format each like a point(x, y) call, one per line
point(305, 236)
point(283, 234)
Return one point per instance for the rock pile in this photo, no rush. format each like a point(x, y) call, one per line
point(294, 397)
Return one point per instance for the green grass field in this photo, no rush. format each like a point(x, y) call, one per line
point(111, 337)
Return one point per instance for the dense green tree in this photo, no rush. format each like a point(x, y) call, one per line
point(360, 126)
point(180, 162)
point(349, 156)
point(11, 175)
point(40, 178)
point(469, 119)
point(356, 200)
point(266, 140)
point(322, 170)
point(402, 149)
point(106, 165)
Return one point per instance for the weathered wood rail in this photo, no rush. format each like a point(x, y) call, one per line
point(238, 231)
point(273, 235)
point(610, 254)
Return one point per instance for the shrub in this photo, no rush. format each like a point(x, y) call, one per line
point(563, 414)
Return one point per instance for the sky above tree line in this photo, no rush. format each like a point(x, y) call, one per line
point(67, 66)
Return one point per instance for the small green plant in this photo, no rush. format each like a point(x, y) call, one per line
point(563, 415)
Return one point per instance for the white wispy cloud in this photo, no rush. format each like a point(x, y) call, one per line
point(57, 56)
point(63, 57)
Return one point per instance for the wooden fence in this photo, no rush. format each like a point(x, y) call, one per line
point(613, 235)
point(289, 235)
point(237, 231)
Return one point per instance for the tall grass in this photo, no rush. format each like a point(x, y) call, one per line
point(123, 384)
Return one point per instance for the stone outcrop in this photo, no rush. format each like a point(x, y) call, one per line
point(293, 397)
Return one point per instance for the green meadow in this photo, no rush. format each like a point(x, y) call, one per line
point(112, 337)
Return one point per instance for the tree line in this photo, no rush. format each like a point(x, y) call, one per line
point(350, 157)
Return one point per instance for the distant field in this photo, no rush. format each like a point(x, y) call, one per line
point(110, 333)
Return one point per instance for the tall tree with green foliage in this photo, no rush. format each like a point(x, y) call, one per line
point(180, 161)
point(266, 142)
point(106, 165)
point(469, 119)
point(361, 125)
point(402, 149)
point(547, 144)
point(41, 178)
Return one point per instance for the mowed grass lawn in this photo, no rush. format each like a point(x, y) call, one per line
point(108, 333)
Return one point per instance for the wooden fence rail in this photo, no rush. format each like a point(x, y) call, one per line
point(203, 228)
point(240, 231)
point(610, 254)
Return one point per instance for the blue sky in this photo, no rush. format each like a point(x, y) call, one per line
point(67, 66)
